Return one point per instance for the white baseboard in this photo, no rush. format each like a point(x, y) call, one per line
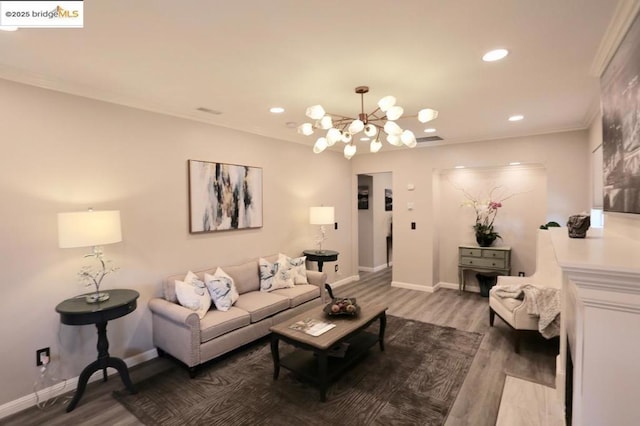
point(374, 269)
point(409, 286)
point(67, 385)
point(344, 281)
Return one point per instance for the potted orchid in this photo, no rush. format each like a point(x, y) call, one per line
point(486, 212)
point(485, 215)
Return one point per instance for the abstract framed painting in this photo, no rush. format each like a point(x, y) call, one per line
point(224, 197)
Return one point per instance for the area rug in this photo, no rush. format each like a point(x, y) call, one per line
point(414, 382)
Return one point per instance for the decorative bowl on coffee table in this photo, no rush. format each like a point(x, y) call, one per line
point(342, 306)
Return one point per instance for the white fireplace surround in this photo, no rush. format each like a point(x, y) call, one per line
point(601, 321)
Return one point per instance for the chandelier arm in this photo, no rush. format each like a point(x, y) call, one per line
point(339, 117)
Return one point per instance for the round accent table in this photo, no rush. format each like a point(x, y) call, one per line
point(321, 256)
point(76, 311)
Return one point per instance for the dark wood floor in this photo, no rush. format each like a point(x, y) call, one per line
point(476, 404)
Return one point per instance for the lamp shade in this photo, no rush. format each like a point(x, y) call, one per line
point(89, 228)
point(321, 215)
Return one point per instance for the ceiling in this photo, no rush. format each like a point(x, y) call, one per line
point(242, 57)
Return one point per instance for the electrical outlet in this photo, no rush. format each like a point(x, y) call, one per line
point(336, 268)
point(40, 354)
point(413, 225)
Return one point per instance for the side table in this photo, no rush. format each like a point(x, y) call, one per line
point(321, 256)
point(493, 260)
point(76, 311)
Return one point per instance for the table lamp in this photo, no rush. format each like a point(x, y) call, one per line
point(91, 229)
point(321, 216)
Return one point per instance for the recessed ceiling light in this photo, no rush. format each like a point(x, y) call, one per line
point(365, 139)
point(430, 130)
point(277, 110)
point(515, 163)
point(516, 117)
point(459, 167)
point(8, 28)
point(495, 55)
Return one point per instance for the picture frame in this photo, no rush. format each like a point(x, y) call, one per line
point(363, 197)
point(620, 87)
point(224, 197)
point(388, 200)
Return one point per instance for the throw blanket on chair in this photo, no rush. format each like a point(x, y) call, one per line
point(543, 302)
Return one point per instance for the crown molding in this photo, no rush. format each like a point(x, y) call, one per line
point(623, 17)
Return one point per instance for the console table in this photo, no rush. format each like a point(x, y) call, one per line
point(321, 256)
point(494, 260)
point(76, 311)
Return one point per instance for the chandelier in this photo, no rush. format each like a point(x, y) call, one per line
point(381, 120)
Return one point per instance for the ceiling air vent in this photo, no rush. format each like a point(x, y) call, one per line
point(209, 111)
point(428, 139)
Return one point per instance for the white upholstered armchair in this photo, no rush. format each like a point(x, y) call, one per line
point(513, 311)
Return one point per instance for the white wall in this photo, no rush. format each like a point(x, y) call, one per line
point(65, 153)
point(564, 156)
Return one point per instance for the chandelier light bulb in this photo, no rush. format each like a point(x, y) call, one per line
point(349, 151)
point(370, 130)
point(387, 102)
point(320, 145)
point(394, 140)
point(326, 122)
point(333, 136)
point(315, 112)
point(305, 129)
point(356, 126)
point(391, 128)
point(427, 114)
point(375, 146)
point(394, 112)
point(408, 138)
point(346, 137)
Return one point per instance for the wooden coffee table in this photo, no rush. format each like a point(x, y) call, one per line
point(312, 360)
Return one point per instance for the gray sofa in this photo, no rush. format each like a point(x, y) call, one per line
point(179, 331)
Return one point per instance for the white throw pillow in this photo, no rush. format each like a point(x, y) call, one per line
point(297, 267)
point(192, 294)
point(274, 276)
point(222, 289)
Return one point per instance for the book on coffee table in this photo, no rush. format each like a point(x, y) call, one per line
point(312, 326)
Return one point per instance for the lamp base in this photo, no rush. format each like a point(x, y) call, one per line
point(97, 297)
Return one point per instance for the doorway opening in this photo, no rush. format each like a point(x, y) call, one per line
point(375, 221)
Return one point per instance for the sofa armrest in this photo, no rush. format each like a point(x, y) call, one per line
point(174, 312)
point(318, 279)
point(176, 330)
